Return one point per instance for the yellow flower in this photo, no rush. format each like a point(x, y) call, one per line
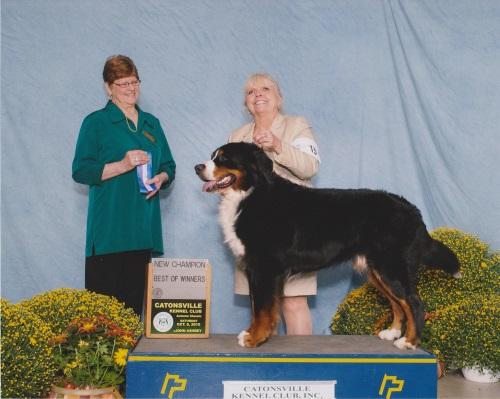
point(32, 341)
point(73, 364)
point(82, 344)
point(120, 357)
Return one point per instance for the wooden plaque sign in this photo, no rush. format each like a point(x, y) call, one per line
point(178, 298)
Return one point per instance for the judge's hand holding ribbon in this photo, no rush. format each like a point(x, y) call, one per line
point(134, 158)
point(158, 180)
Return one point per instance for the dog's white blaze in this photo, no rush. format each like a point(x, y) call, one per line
point(209, 170)
point(228, 214)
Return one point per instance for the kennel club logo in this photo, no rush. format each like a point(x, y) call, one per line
point(173, 383)
point(389, 385)
point(163, 322)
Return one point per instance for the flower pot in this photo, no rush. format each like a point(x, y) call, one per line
point(476, 375)
point(440, 369)
point(90, 393)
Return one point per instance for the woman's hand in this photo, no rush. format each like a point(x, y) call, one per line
point(158, 181)
point(134, 158)
point(266, 140)
point(130, 161)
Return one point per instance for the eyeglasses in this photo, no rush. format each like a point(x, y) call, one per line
point(125, 85)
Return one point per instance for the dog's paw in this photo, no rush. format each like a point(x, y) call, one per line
point(248, 340)
point(241, 338)
point(390, 334)
point(402, 343)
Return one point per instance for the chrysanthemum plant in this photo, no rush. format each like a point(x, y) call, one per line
point(459, 325)
point(60, 306)
point(93, 334)
point(92, 352)
point(467, 334)
point(28, 367)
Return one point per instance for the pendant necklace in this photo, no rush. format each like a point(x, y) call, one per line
point(128, 125)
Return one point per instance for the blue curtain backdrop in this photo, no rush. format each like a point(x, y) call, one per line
point(402, 96)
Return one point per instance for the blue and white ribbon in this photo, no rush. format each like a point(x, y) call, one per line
point(144, 173)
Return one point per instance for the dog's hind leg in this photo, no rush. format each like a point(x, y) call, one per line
point(403, 298)
point(265, 294)
point(414, 310)
point(398, 315)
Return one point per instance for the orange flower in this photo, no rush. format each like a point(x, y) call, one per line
point(429, 315)
point(87, 327)
point(115, 331)
point(128, 339)
point(103, 320)
point(59, 339)
point(73, 324)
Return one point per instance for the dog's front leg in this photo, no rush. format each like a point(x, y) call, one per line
point(265, 294)
point(261, 328)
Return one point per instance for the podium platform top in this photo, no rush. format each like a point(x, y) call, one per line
point(321, 366)
point(292, 345)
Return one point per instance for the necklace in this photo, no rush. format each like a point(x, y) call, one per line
point(128, 125)
point(129, 128)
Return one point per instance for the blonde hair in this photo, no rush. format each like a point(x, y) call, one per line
point(258, 77)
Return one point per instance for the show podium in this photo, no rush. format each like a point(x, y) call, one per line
point(286, 367)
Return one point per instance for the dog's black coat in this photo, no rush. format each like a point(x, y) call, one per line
point(288, 229)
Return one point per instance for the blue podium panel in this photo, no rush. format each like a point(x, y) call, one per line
point(312, 367)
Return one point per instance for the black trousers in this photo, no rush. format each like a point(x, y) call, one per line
point(122, 275)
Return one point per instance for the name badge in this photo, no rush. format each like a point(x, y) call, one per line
point(149, 136)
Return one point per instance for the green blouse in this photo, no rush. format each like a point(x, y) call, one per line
point(119, 216)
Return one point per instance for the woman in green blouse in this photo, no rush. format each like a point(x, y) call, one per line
point(123, 225)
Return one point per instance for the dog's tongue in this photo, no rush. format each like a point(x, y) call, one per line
point(209, 186)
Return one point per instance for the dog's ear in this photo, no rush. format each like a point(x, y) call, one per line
point(263, 164)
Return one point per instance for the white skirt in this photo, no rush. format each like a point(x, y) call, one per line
point(298, 285)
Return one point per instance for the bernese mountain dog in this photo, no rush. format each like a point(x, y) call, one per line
point(277, 228)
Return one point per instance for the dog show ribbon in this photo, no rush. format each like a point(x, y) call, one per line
point(144, 173)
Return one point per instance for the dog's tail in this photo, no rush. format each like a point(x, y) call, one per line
point(439, 256)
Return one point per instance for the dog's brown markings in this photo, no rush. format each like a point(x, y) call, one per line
point(411, 329)
point(263, 325)
point(398, 314)
point(400, 309)
point(220, 172)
